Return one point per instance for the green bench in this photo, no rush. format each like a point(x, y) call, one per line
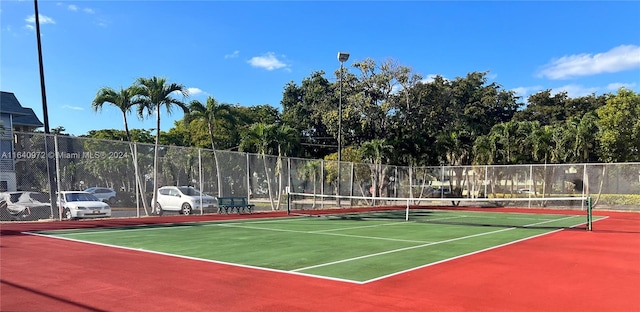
point(229, 204)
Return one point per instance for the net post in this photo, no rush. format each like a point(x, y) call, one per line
point(589, 214)
point(288, 200)
point(406, 217)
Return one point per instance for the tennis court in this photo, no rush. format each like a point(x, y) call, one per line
point(356, 247)
point(442, 259)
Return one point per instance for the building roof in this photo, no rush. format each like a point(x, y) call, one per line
point(21, 116)
point(9, 104)
point(30, 119)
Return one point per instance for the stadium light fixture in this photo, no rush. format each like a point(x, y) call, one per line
point(342, 57)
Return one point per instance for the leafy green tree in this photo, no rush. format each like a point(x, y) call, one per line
point(619, 134)
point(369, 103)
point(59, 130)
point(304, 107)
point(545, 108)
point(153, 93)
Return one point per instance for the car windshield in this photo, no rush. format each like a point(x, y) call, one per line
point(190, 191)
point(14, 197)
point(73, 197)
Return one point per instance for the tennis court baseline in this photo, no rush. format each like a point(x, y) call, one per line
point(352, 248)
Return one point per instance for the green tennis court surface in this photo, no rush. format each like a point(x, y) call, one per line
point(350, 247)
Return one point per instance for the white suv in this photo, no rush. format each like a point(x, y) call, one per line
point(183, 199)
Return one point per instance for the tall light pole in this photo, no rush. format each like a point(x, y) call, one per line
point(342, 57)
point(51, 164)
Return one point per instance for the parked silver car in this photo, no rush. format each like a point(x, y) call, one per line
point(79, 204)
point(105, 194)
point(183, 199)
point(23, 206)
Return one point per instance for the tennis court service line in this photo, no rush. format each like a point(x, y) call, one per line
point(355, 227)
point(420, 246)
point(325, 233)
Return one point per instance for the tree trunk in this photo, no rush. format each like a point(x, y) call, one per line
point(215, 158)
point(155, 161)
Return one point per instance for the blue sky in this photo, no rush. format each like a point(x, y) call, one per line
point(244, 52)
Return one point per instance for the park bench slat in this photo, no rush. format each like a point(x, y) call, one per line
point(231, 203)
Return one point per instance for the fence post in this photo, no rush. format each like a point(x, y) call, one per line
point(589, 215)
point(200, 176)
point(57, 162)
point(248, 177)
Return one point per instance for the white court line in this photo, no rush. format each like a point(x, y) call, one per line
point(161, 226)
point(419, 246)
point(398, 250)
point(195, 258)
point(355, 227)
point(324, 233)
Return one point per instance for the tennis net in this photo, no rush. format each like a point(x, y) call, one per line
point(525, 212)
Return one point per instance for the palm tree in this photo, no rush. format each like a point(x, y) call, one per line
point(209, 112)
point(268, 139)
point(259, 138)
point(123, 100)
point(287, 140)
point(376, 151)
point(153, 93)
point(308, 172)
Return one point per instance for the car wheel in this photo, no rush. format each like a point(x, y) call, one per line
point(186, 209)
point(67, 214)
point(158, 209)
point(112, 201)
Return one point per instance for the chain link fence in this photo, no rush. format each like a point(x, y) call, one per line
point(39, 163)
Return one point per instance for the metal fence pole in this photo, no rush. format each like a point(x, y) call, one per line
point(57, 161)
point(200, 176)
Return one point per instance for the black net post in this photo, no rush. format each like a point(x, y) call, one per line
point(589, 215)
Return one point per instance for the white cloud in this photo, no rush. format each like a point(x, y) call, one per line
point(72, 7)
point(618, 59)
point(617, 85)
point(102, 22)
point(194, 91)
point(88, 10)
point(574, 90)
point(43, 19)
point(431, 77)
point(235, 54)
point(268, 61)
point(72, 107)
point(524, 91)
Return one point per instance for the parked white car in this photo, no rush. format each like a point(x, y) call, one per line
point(22, 206)
point(105, 194)
point(79, 204)
point(183, 199)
